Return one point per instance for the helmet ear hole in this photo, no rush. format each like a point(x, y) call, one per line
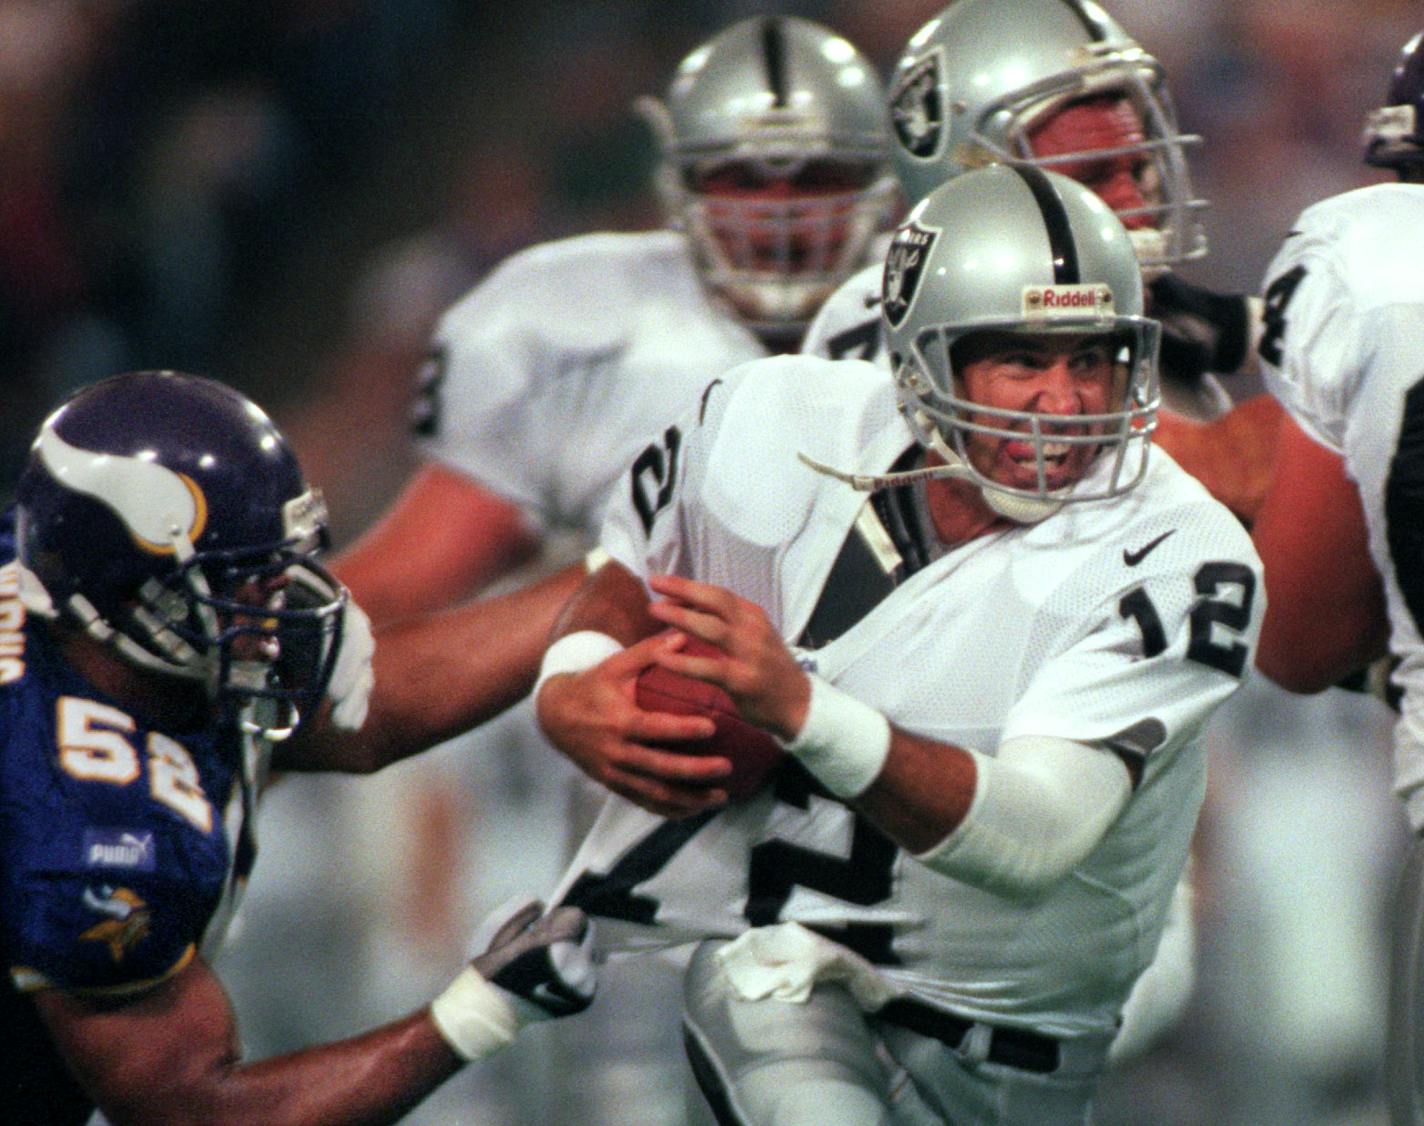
point(1394, 132)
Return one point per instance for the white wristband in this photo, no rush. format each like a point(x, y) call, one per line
point(474, 1017)
point(595, 559)
point(843, 741)
point(575, 652)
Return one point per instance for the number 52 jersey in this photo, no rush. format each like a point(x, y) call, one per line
point(1122, 622)
point(125, 845)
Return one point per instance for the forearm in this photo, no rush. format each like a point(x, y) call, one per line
point(612, 601)
point(440, 675)
point(443, 539)
point(373, 1078)
point(172, 1056)
point(1014, 823)
point(1233, 456)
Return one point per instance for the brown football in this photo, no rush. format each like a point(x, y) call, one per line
point(752, 751)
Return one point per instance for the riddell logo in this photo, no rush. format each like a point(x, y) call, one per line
point(1058, 300)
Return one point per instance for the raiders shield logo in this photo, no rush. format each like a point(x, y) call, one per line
point(917, 108)
point(903, 266)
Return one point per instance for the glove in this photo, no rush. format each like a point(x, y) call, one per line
point(545, 962)
point(534, 968)
point(1202, 331)
point(352, 677)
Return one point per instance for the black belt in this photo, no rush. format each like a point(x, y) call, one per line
point(1012, 1047)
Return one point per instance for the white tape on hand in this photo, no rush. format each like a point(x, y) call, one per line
point(843, 742)
point(475, 1017)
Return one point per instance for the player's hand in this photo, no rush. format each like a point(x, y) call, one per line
point(759, 672)
point(352, 676)
point(544, 962)
point(1202, 331)
point(593, 719)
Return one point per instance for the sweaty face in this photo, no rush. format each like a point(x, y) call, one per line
point(1127, 182)
point(1054, 375)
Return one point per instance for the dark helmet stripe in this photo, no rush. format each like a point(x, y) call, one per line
point(1055, 223)
point(773, 49)
point(1089, 18)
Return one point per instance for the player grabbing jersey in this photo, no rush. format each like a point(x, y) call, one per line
point(168, 633)
point(990, 677)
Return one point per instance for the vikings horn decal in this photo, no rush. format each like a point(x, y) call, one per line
point(153, 502)
point(903, 266)
point(917, 109)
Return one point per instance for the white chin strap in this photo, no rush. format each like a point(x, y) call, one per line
point(1011, 506)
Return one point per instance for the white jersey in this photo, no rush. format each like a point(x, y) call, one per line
point(1122, 621)
point(1341, 351)
point(553, 374)
point(847, 327)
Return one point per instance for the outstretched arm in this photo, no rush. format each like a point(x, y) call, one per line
point(1234, 456)
point(439, 675)
point(171, 1054)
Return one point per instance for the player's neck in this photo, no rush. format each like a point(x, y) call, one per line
point(958, 510)
point(163, 700)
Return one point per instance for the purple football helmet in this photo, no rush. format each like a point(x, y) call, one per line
point(166, 516)
point(1394, 133)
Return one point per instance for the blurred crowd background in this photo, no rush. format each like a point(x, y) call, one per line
point(285, 193)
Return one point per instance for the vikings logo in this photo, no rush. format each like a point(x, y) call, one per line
point(128, 923)
point(917, 109)
point(903, 266)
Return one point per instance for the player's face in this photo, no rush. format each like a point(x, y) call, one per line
point(1126, 182)
point(783, 221)
point(260, 642)
point(1047, 374)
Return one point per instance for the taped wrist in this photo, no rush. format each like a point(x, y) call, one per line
point(843, 742)
point(575, 652)
point(475, 1017)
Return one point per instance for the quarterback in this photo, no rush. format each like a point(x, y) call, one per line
point(989, 677)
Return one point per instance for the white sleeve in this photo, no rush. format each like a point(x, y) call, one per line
point(1312, 341)
point(650, 521)
point(1040, 806)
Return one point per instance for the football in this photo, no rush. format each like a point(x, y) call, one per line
point(753, 752)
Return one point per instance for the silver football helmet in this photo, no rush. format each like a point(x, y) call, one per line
point(976, 78)
point(787, 105)
point(1014, 249)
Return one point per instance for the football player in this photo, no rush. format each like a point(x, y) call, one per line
point(168, 633)
point(1339, 529)
point(546, 380)
point(990, 679)
point(1060, 84)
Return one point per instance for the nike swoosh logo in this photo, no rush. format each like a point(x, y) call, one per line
point(1133, 558)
